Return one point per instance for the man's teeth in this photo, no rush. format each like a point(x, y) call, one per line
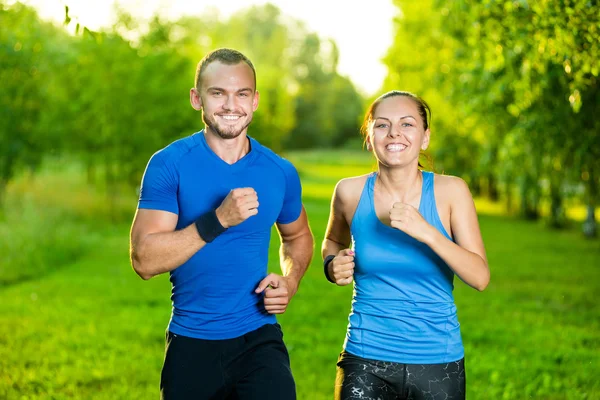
point(395, 147)
point(230, 117)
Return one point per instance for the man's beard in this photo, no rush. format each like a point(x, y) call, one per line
point(229, 132)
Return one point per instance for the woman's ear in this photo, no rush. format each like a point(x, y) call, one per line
point(368, 142)
point(426, 137)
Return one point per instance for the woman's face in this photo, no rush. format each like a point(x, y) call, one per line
point(397, 133)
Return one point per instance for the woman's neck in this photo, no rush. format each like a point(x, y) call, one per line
point(401, 184)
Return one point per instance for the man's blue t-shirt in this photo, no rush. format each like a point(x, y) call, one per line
point(213, 292)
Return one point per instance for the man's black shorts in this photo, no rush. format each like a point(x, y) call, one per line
point(253, 366)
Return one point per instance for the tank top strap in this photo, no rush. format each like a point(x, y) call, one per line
point(370, 185)
point(428, 206)
point(427, 193)
point(364, 206)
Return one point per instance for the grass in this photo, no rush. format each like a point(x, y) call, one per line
point(92, 329)
point(51, 218)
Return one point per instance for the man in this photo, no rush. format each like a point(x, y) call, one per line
point(206, 209)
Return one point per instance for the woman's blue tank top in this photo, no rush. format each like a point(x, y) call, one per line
point(402, 309)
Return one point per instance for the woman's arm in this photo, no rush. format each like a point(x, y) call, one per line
point(466, 255)
point(337, 237)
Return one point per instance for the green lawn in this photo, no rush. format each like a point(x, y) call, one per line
point(93, 330)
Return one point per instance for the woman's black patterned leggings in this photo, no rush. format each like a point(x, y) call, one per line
point(360, 378)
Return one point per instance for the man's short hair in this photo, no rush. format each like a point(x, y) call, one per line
point(225, 56)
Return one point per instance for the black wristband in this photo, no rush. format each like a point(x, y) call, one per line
point(326, 262)
point(209, 227)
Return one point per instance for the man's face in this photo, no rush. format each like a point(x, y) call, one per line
point(227, 97)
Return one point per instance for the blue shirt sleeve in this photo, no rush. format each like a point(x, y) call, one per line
point(292, 201)
point(160, 184)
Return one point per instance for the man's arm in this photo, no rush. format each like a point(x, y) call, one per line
point(296, 249)
point(156, 247)
point(295, 255)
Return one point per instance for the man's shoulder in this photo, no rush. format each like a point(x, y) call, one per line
point(274, 158)
point(175, 150)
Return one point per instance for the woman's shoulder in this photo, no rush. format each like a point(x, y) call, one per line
point(352, 186)
point(347, 195)
point(348, 190)
point(450, 185)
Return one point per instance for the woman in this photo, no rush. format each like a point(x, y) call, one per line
point(402, 234)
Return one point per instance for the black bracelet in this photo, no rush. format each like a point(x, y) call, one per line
point(208, 226)
point(326, 262)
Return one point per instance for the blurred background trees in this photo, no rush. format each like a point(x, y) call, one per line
point(114, 97)
point(513, 87)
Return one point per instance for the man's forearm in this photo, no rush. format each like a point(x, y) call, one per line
point(295, 257)
point(161, 252)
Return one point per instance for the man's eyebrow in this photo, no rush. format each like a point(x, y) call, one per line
point(216, 88)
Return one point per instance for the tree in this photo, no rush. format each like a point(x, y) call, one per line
point(548, 54)
point(29, 57)
point(523, 73)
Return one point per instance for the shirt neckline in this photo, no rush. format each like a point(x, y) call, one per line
point(239, 164)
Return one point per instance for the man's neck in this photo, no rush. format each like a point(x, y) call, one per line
point(229, 150)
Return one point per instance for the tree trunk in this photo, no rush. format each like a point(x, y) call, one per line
point(7, 167)
point(557, 211)
point(590, 226)
point(475, 186)
point(530, 198)
point(509, 195)
point(493, 188)
point(3, 184)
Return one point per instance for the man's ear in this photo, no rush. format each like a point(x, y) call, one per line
point(255, 101)
point(195, 99)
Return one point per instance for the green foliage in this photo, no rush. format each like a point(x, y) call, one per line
point(329, 103)
point(516, 83)
point(124, 105)
point(28, 59)
point(114, 97)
